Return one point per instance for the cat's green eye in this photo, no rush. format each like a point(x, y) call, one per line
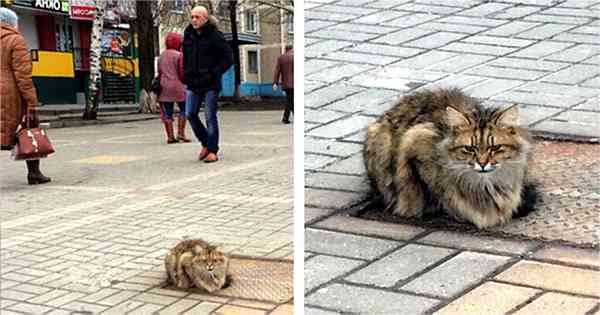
point(469, 149)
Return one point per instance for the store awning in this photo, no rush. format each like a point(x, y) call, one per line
point(244, 38)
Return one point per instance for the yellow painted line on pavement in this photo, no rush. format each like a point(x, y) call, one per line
point(110, 159)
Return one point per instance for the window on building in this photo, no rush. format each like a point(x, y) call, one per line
point(177, 6)
point(252, 61)
point(251, 21)
point(290, 23)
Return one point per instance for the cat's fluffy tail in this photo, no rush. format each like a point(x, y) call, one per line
point(529, 199)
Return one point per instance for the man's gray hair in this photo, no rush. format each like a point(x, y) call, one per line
point(9, 17)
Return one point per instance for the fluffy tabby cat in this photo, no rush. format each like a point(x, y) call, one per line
point(440, 149)
point(195, 263)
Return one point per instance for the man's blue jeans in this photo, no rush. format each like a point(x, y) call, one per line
point(209, 136)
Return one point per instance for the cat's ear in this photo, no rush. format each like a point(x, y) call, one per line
point(509, 117)
point(456, 118)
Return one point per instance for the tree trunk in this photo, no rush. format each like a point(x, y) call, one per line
point(145, 32)
point(91, 104)
point(235, 46)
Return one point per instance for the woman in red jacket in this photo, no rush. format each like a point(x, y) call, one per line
point(172, 88)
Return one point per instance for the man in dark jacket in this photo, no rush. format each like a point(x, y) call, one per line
point(206, 56)
point(285, 71)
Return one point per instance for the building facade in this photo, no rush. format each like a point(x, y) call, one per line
point(263, 33)
point(58, 34)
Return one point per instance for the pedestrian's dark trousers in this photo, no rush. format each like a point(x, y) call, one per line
point(289, 93)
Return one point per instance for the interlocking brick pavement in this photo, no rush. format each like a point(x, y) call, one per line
point(542, 54)
point(94, 239)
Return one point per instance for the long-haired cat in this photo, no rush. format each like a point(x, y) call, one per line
point(440, 149)
point(195, 263)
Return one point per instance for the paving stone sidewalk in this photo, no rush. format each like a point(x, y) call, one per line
point(354, 266)
point(93, 241)
point(361, 56)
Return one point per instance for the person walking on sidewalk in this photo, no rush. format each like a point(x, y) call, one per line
point(18, 98)
point(206, 56)
point(285, 71)
point(172, 89)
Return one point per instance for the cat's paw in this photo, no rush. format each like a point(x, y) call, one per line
point(408, 208)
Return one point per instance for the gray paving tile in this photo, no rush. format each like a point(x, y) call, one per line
point(568, 128)
point(512, 28)
point(485, 9)
point(344, 35)
point(363, 28)
point(498, 40)
point(592, 104)
point(353, 166)
point(345, 9)
point(507, 73)
point(578, 117)
point(316, 65)
point(385, 50)
point(559, 89)
point(346, 245)
point(573, 75)
point(463, 47)
point(532, 64)
point(380, 17)
point(435, 9)
point(460, 81)
point(538, 99)
point(315, 162)
point(337, 182)
point(592, 30)
point(359, 300)
point(435, 40)
point(328, 199)
point(385, 4)
point(544, 31)
point(341, 128)
point(457, 274)
point(321, 116)
point(572, 12)
point(593, 60)
point(399, 265)
point(425, 60)
point(321, 269)
point(330, 147)
point(328, 16)
point(325, 47)
point(328, 95)
point(456, 28)
point(362, 101)
point(361, 58)
point(411, 20)
point(578, 38)
point(469, 242)
point(313, 214)
point(557, 19)
point(313, 25)
point(338, 73)
point(402, 36)
point(460, 4)
point(594, 82)
point(471, 21)
point(316, 311)
point(515, 12)
point(460, 63)
point(492, 87)
point(541, 49)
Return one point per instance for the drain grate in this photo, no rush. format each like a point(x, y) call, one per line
point(259, 279)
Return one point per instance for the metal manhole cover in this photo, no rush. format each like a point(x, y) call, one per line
point(259, 279)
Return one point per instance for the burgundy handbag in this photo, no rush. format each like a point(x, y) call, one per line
point(32, 143)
